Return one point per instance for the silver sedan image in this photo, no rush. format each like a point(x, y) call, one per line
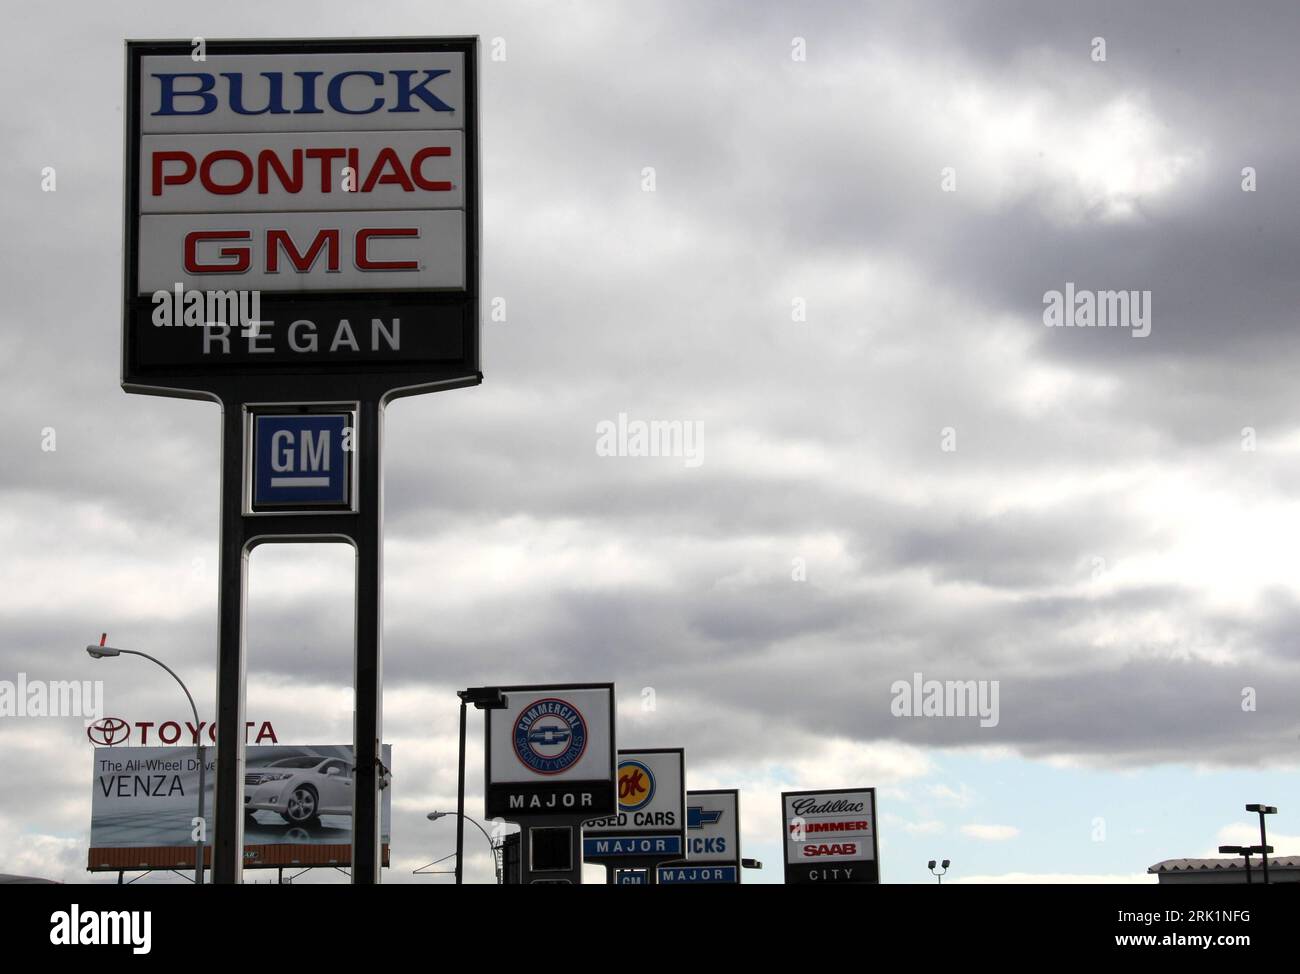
point(300, 788)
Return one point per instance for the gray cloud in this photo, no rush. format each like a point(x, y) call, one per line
point(515, 553)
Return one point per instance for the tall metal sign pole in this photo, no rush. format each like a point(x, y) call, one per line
point(301, 247)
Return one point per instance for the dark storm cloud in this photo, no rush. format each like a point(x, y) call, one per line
point(517, 554)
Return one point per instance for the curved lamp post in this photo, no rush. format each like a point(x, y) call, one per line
point(462, 817)
point(102, 651)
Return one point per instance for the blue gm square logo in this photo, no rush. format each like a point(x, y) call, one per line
point(302, 461)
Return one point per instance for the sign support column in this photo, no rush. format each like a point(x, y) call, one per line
point(228, 785)
point(240, 533)
point(368, 679)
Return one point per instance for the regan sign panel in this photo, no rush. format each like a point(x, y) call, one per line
point(650, 824)
point(830, 836)
point(297, 804)
point(550, 752)
point(308, 207)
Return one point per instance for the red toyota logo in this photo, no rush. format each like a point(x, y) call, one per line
point(108, 731)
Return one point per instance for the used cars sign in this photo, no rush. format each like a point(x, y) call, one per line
point(650, 824)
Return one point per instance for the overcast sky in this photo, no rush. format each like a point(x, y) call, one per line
point(840, 273)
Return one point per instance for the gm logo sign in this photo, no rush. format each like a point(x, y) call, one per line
point(302, 461)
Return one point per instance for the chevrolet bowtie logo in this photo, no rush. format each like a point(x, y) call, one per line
point(697, 817)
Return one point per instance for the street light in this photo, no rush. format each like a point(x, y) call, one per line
point(943, 866)
point(1238, 850)
point(434, 816)
point(483, 698)
point(1246, 851)
point(1263, 834)
point(103, 651)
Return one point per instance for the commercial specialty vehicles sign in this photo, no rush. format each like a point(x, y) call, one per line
point(550, 753)
point(301, 207)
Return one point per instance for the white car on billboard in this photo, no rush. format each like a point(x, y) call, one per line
point(300, 788)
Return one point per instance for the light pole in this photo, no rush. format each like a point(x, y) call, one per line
point(1238, 850)
point(1246, 851)
point(462, 817)
point(1263, 834)
point(943, 866)
point(100, 652)
point(483, 698)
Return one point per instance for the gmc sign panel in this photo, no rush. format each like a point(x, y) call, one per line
point(421, 250)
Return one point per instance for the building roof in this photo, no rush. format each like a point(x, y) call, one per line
point(1227, 865)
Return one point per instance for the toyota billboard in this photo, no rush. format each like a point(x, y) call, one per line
point(297, 807)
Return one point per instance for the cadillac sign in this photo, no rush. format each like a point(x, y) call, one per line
point(830, 836)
